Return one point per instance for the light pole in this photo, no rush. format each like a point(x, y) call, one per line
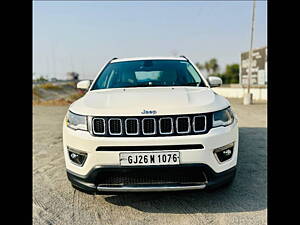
point(248, 96)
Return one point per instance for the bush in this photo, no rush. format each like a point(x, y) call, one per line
point(49, 86)
point(41, 79)
point(231, 75)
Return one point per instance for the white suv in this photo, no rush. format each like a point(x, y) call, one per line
point(150, 124)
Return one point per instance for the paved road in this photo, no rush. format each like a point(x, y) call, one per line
point(56, 202)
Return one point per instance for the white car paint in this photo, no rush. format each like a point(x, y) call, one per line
point(166, 101)
point(132, 101)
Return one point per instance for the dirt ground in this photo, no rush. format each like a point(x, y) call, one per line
point(58, 94)
point(56, 202)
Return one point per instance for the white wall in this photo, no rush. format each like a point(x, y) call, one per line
point(230, 92)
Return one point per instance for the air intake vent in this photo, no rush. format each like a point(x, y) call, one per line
point(144, 176)
point(149, 126)
point(166, 125)
point(115, 126)
point(99, 126)
point(199, 123)
point(132, 126)
point(183, 125)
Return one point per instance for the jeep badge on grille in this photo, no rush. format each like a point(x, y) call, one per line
point(149, 112)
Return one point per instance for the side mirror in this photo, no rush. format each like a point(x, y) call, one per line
point(85, 84)
point(214, 81)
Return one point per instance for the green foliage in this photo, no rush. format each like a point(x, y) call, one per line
point(230, 76)
point(41, 79)
point(210, 66)
point(200, 66)
point(213, 65)
point(207, 67)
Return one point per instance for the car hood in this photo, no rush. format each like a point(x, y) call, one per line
point(164, 100)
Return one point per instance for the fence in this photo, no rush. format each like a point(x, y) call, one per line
point(259, 93)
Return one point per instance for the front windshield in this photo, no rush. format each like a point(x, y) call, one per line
point(144, 73)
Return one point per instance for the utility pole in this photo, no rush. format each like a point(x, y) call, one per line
point(54, 62)
point(248, 97)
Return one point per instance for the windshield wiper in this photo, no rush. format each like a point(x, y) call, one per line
point(162, 85)
point(145, 85)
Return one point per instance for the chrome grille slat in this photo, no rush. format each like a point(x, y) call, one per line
point(173, 125)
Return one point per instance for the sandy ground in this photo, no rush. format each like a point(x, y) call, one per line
point(56, 202)
point(58, 94)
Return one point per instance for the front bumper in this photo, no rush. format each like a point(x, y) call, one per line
point(90, 182)
point(197, 160)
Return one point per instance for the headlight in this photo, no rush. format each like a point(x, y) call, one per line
point(223, 118)
point(76, 122)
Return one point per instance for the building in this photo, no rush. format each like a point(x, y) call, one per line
point(259, 74)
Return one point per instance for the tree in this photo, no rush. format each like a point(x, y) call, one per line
point(231, 74)
point(200, 66)
point(213, 65)
point(41, 79)
point(73, 76)
point(207, 67)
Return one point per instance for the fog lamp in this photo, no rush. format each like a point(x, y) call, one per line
point(227, 152)
point(224, 153)
point(77, 157)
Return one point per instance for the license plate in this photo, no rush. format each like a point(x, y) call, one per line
point(149, 158)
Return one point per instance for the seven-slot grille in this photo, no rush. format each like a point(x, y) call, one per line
point(151, 126)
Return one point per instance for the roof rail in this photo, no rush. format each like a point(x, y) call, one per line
point(184, 57)
point(113, 59)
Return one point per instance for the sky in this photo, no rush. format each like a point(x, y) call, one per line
point(82, 36)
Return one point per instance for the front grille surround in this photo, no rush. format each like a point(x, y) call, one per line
point(150, 126)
